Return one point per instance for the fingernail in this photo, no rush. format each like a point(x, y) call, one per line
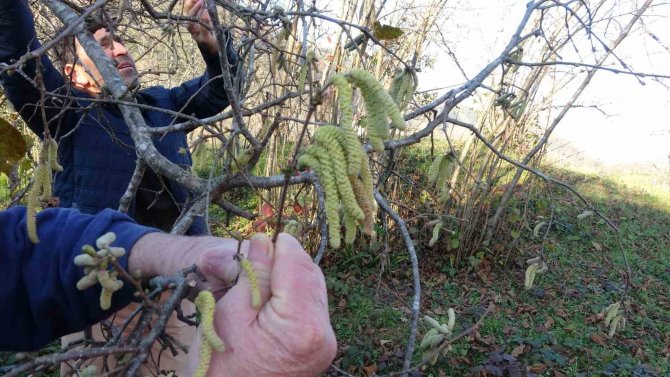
point(263, 241)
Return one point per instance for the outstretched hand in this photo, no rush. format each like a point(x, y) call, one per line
point(201, 32)
point(290, 334)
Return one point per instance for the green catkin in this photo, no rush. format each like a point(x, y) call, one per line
point(349, 141)
point(436, 234)
point(206, 305)
point(396, 84)
point(345, 97)
point(434, 170)
point(31, 213)
point(248, 268)
point(405, 91)
point(324, 171)
point(293, 228)
point(377, 119)
point(302, 76)
point(351, 228)
point(327, 137)
point(53, 155)
point(444, 175)
point(363, 200)
point(366, 180)
point(106, 299)
point(45, 182)
point(373, 90)
point(241, 160)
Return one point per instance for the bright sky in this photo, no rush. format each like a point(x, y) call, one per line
point(638, 128)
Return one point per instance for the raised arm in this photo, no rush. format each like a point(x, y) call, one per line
point(17, 37)
point(204, 96)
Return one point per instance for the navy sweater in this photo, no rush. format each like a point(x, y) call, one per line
point(96, 149)
point(39, 300)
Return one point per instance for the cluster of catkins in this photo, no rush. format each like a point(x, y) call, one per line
point(341, 164)
point(432, 343)
point(439, 173)
point(96, 263)
point(535, 266)
point(403, 87)
point(615, 319)
point(41, 189)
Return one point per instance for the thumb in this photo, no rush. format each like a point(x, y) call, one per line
point(237, 303)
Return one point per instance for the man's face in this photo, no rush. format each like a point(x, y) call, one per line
point(117, 52)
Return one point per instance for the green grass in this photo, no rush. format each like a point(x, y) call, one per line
point(554, 328)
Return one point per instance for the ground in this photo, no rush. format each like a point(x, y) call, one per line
point(555, 329)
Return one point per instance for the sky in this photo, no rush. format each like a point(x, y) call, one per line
point(637, 125)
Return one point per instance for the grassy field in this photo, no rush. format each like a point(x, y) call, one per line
point(555, 329)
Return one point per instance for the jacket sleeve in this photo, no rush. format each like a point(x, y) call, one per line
point(38, 294)
point(203, 97)
point(17, 37)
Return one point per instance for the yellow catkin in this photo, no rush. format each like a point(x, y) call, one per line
point(106, 299)
point(327, 137)
point(205, 359)
point(364, 201)
point(53, 155)
point(324, 171)
point(31, 213)
point(351, 228)
point(345, 96)
point(45, 182)
point(366, 179)
point(206, 305)
point(349, 141)
point(374, 93)
point(248, 268)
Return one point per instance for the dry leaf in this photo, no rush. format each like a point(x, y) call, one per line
point(537, 368)
point(519, 350)
point(549, 323)
point(597, 338)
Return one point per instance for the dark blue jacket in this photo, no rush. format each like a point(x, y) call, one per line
point(39, 301)
point(96, 149)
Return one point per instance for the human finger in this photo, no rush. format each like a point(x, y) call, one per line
point(237, 302)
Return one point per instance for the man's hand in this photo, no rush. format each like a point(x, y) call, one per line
point(158, 254)
point(290, 335)
point(203, 35)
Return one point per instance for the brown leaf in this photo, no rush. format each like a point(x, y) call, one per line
point(597, 246)
point(549, 323)
point(558, 374)
point(537, 368)
point(597, 338)
point(370, 369)
point(561, 313)
point(519, 350)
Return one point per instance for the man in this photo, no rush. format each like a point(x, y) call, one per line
point(290, 335)
point(96, 149)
